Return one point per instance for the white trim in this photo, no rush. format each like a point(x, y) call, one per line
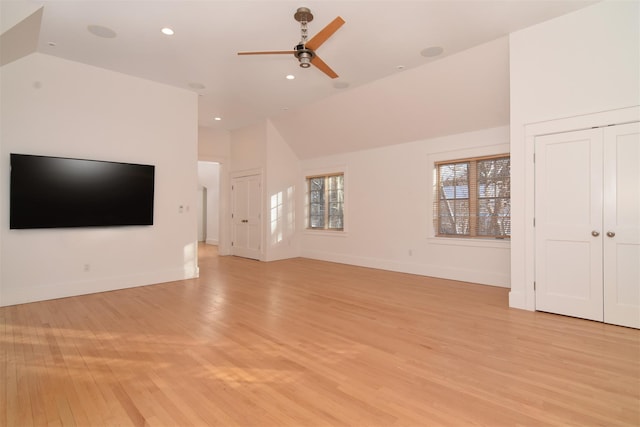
point(482, 277)
point(328, 233)
point(247, 172)
point(42, 292)
point(476, 243)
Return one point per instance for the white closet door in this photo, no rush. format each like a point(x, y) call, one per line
point(568, 215)
point(622, 225)
point(246, 199)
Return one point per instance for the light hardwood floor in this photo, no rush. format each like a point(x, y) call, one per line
point(309, 343)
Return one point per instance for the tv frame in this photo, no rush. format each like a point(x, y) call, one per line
point(64, 196)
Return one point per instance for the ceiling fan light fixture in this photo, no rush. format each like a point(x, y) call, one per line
point(304, 57)
point(305, 62)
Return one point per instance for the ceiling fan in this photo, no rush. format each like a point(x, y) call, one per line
point(305, 50)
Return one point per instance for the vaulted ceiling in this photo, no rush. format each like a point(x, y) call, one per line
point(380, 41)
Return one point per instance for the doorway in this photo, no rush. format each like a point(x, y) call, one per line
point(209, 203)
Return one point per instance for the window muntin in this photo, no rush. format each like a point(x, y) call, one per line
point(326, 202)
point(473, 197)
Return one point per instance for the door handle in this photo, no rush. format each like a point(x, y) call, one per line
point(595, 233)
point(610, 234)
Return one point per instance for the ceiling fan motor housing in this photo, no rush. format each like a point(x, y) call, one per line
point(304, 55)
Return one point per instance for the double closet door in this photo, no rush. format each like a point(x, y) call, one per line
point(587, 224)
point(246, 216)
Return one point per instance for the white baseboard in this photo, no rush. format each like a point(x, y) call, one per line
point(431, 270)
point(42, 292)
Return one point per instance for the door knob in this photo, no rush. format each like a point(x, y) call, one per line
point(610, 234)
point(595, 233)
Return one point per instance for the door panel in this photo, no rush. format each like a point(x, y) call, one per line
point(568, 194)
point(254, 203)
point(246, 200)
point(622, 217)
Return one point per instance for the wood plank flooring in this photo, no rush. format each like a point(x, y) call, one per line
point(308, 343)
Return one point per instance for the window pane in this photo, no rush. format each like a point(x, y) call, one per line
point(317, 209)
point(454, 181)
point(316, 197)
point(454, 194)
point(494, 192)
point(316, 221)
point(316, 184)
point(494, 217)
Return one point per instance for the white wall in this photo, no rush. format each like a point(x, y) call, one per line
point(56, 107)
point(282, 175)
point(209, 178)
point(214, 145)
point(248, 148)
point(578, 64)
point(388, 219)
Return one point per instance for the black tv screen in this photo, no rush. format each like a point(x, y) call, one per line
point(54, 192)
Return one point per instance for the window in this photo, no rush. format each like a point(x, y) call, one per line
point(473, 197)
point(326, 202)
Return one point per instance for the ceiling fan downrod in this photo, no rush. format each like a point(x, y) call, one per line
point(303, 15)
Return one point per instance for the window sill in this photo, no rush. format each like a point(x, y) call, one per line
point(332, 233)
point(478, 243)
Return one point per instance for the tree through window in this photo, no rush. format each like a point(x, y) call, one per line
point(326, 202)
point(473, 197)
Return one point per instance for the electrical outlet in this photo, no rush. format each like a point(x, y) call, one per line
point(87, 267)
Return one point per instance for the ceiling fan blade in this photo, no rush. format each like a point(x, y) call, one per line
point(323, 67)
point(324, 34)
point(269, 52)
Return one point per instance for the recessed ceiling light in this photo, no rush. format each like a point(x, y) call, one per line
point(400, 67)
point(100, 31)
point(432, 51)
point(196, 85)
point(341, 85)
point(167, 31)
point(217, 119)
point(290, 77)
point(52, 44)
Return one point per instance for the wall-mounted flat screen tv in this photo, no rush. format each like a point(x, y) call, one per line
point(55, 192)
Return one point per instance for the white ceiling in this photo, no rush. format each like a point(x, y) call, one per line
point(378, 37)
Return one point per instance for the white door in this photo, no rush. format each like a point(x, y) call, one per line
point(568, 224)
point(622, 225)
point(587, 217)
point(246, 214)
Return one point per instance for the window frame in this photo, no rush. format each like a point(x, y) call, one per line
point(308, 202)
point(473, 198)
